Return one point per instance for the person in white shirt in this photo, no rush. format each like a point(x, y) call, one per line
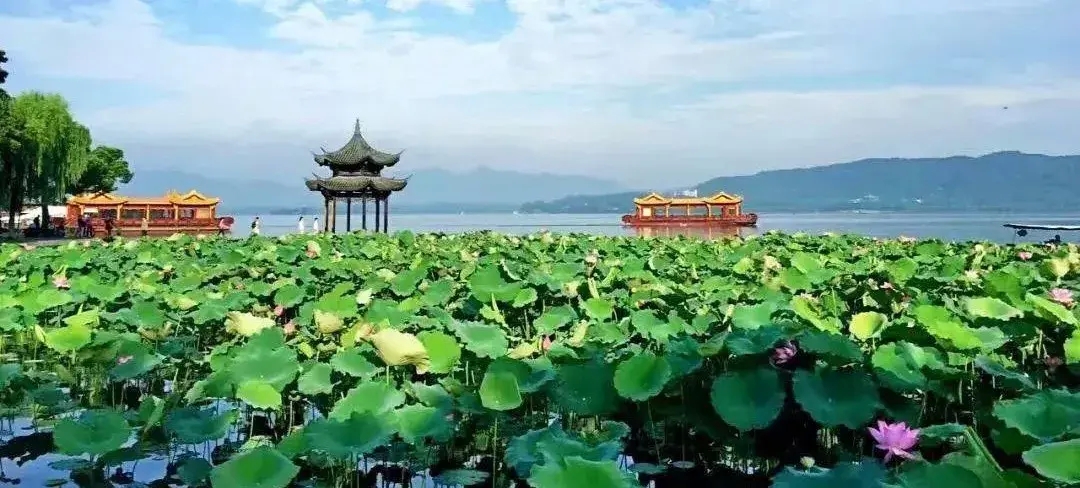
point(315, 226)
point(300, 225)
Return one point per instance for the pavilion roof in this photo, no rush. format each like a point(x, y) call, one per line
point(357, 153)
point(191, 198)
point(355, 183)
point(719, 198)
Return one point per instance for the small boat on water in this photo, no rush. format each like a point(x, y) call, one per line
point(1021, 230)
point(720, 209)
point(185, 213)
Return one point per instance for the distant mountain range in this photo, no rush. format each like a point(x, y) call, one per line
point(1001, 181)
point(482, 190)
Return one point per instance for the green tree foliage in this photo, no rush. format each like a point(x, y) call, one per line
point(105, 169)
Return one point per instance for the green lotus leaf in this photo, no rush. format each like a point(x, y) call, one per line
point(484, 340)
point(1057, 460)
point(940, 323)
point(926, 475)
point(867, 325)
point(554, 319)
point(50, 298)
point(277, 366)
point(68, 338)
point(1047, 415)
point(193, 471)
point(95, 432)
point(901, 270)
point(262, 467)
point(499, 391)
point(642, 376)
point(1072, 348)
point(133, 359)
point(649, 326)
point(830, 345)
point(316, 380)
point(753, 316)
point(443, 351)
point(586, 388)
point(352, 362)
point(992, 367)
point(369, 397)
point(748, 399)
point(990, 476)
point(834, 397)
point(356, 435)
point(193, 425)
point(846, 475)
point(417, 422)
point(288, 296)
point(87, 318)
point(744, 342)
point(598, 308)
point(1052, 311)
point(461, 477)
point(574, 471)
point(259, 394)
point(992, 308)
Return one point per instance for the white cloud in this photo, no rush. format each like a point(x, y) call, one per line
point(588, 85)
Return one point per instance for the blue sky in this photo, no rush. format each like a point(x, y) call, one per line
point(649, 92)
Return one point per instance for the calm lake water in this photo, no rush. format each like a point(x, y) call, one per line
point(950, 226)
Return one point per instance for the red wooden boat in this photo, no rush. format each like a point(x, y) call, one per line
point(720, 209)
point(186, 213)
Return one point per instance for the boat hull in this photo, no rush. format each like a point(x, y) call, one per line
point(744, 220)
point(133, 227)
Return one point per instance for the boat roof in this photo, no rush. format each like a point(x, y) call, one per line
point(1044, 227)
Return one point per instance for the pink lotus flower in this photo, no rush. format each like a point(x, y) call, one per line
point(289, 328)
point(1024, 255)
point(1062, 296)
point(61, 282)
point(123, 359)
point(784, 353)
point(279, 311)
point(895, 439)
point(546, 344)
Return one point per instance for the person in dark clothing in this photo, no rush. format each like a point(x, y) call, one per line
point(108, 227)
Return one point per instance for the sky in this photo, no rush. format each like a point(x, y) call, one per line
point(651, 93)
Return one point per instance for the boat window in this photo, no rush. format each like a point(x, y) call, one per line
point(698, 210)
point(107, 213)
point(161, 213)
point(133, 213)
point(187, 213)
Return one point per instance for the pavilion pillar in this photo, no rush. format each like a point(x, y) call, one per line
point(377, 212)
point(348, 214)
point(386, 215)
point(363, 213)
point(326, 213)
point(333, 215)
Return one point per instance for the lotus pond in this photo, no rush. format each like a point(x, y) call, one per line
point(547, 361)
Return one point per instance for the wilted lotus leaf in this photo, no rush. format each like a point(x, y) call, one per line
point(312, 249)
point(524, 350)
point(246, 324)
point(398, 348)
point(327, 322)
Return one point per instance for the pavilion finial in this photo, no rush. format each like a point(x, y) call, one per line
point(357, 128)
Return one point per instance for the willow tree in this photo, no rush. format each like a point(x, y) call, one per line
point(56, 147)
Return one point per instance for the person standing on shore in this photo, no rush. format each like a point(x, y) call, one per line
point(255, 227)
point(300, 225)
point(145, 226)
point(315, 226)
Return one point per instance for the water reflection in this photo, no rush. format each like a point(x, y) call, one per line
point(700, 232)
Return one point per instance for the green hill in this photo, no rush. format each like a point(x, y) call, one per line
point(1002, 181)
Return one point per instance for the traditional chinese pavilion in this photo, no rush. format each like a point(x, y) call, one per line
point(190, 212)
point(720, 209)
point(356, 173)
